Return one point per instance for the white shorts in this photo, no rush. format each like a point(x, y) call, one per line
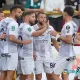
point(10, 63)
point(0, 64)
point(78, 72)
point(43, 64)
point(62, 64)
point(25, 66)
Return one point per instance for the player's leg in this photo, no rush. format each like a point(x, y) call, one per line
point(19, 71)
point(3, 67)
point(0, 67)
point(65, 76)
point(48, 68)
point(76, 78)
point(38, 69)
point(3, 75)
point(12, 61)
point(60, 65)
point(77, 75)
point(49, 76)
point(22, 77)
point(27, 67)
point(10, 75)
point(38, 76)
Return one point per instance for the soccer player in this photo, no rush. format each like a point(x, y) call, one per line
point(1, 18)
point(9, 53)
point(26, 61)
point(77, 74)
point(66, 53)
point(42, 49)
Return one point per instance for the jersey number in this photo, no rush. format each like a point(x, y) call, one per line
point(52, 65)
point(20, 38)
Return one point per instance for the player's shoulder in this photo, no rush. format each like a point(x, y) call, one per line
point(26, 26)
point(51, 27)
point(68, 25)
point(14, 23)
point(35, 27)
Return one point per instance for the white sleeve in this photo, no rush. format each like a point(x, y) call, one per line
point(13, 28)
point(29, 30)
point(69, 29)
point(62, 5)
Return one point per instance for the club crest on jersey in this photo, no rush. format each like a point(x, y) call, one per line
point(29, 29)
point(13, 28)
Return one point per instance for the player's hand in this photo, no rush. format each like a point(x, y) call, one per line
point(3, 36)
point(46, 24)
point(27, 42)
point(34, 56)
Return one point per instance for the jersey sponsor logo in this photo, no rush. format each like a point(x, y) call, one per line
point(13, 28)
point(29, 29)
point(68, 28)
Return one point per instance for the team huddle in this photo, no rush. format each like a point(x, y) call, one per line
point(27, 49)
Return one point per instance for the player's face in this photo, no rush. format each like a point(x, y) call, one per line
point(18, 13)
point(42, 18)
point(32, 18)
point(1, 16)
point(65, 15)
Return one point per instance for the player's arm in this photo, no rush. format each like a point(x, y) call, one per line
point(77, 36)
point(55, 44)
point(68, 31)
point(67, 39)
point(13, 32)
point(40, 31)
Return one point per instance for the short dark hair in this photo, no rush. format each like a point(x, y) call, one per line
point(25, 13)
point(15, 7)
point(69, 10)
point(40, 13)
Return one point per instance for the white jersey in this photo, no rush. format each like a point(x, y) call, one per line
point(25, 33)
point(0, 43)
point(66, 49)
point(42, 44)
point(10, 27)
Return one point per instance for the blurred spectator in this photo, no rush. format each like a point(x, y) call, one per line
point(76, 6)
point(2, 2)
point(56, 6)
point(19, 2)
point(1, 15)
point(33, 5)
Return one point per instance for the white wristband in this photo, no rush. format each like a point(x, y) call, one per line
point(57, 36)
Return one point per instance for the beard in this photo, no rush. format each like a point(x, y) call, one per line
point(40, 23)
point(32, 23)
point(17, 17)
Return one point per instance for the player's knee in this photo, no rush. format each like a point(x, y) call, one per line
point(76, 78)
point(38, 76)
point(49, 76)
